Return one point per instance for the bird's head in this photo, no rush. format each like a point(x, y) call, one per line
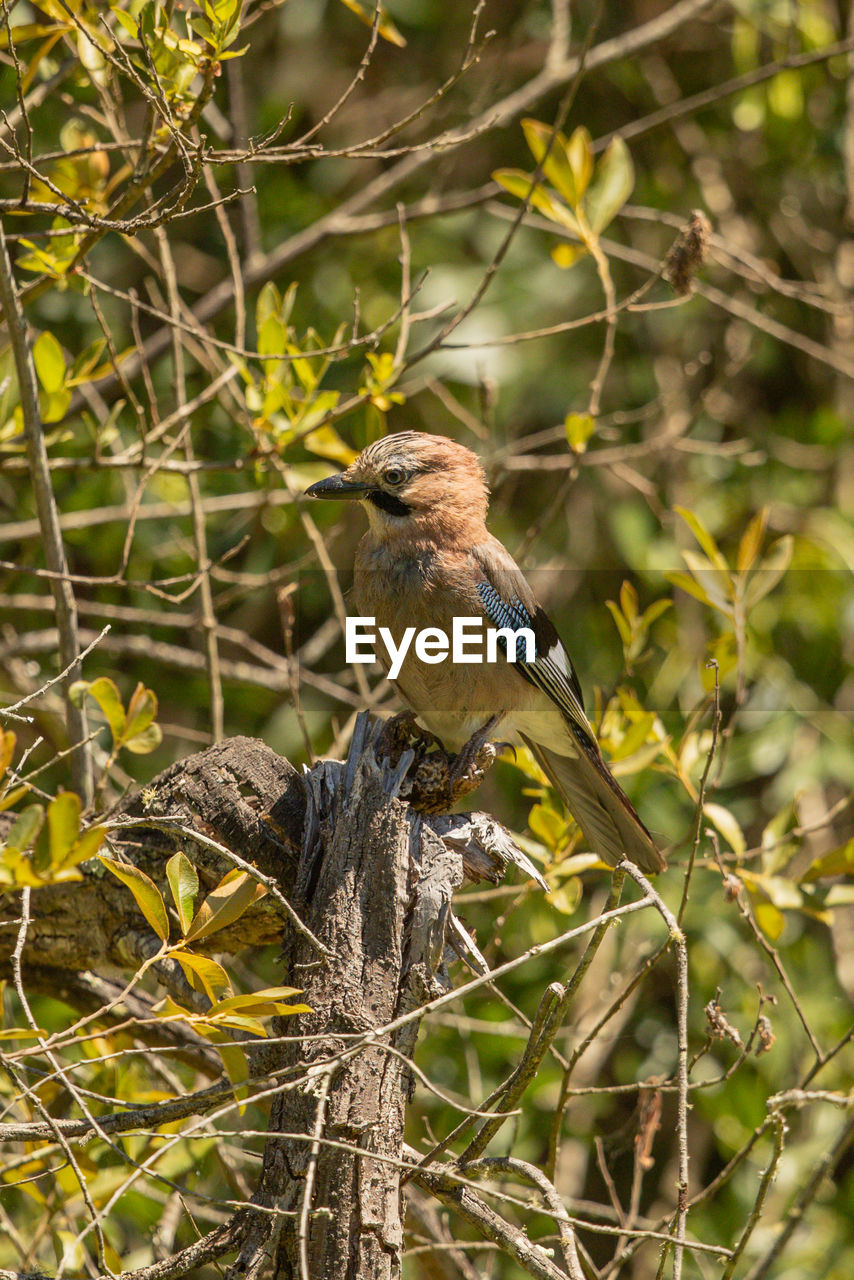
point(414, 485)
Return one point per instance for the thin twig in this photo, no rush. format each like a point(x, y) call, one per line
point(63, 594)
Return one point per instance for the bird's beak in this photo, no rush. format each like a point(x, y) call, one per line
point(337, 487)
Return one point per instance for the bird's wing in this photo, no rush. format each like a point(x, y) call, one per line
point(597, 801)
point(508, 601)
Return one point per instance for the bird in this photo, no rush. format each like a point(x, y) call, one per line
point(428, 558)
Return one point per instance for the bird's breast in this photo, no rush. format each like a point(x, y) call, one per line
point(406, 596)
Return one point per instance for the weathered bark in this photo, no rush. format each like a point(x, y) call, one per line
point(372, 879)
point(240, 794)
point(375, 886)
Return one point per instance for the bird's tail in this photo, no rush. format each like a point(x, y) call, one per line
point(600, 807)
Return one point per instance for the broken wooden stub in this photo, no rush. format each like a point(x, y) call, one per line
point(374, 885)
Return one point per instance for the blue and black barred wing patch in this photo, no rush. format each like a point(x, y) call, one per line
point(551, 669)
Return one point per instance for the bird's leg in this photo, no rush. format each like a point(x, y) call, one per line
point(439, 781)
point(471, 764)
point(397, 735)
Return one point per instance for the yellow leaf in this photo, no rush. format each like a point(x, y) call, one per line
point(145, 892)
point(726, 825)
point(225, 904)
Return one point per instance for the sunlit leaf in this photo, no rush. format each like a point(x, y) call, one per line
point(63, 822)
point(184, 883)
point(837, 862)
point(204, 974)
point(547, 825)
point(142, 709)
point(619, 621)
point(579, 428)
point(264, 1003)
point(26, 827)
point(7, 749)
point(689, 585)
point(613, 181)
point(327, 443)
point(703, 536)
point(770, 570)
point(568, 164)
point(771, 921)
point(751, 541)
point(727, 826)
point(49, 361)
point(518, 183)
point(567, 896)
point(145, 892)
point(235, 893)
point(385, 27)
point(142, 743)
point(105, 693)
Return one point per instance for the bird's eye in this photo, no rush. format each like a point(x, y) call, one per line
point(394, 475)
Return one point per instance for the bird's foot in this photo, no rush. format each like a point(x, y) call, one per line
point(439, 780)
point(402, 732)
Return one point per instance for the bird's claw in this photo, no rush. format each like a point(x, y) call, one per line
point(439, 780)
point(398, 733)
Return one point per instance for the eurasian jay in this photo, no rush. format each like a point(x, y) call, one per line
point(427, 558)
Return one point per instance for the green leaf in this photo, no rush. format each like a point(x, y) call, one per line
point(86, 362)
point(49, 361)
point(751, 541)
point(145, 892)
point(234, 894)
point(547, 825)
point(703, 537)
point(687, 584)
point(204, 974)
point(567, 896)
point(655, 610)
point(263, 1003)
point(142, 743)
point(237, 1021)
point(769, 572)
point(84, 848)
point(771, 921)
point(25, 828)
point(7, 749)
point(269, 304)
point(629, 600)
point(272, 336)
point(142, 709)
point(53, 405)
point(635, 737)
point(184, 884)
point(326, 443)
point(518, 184)
point(838, 862)
point(611, 187)
point(568, 164)
point(620, 622)
point(717, 582)
point(105, 693)
point(63, 822)
point(125, 20)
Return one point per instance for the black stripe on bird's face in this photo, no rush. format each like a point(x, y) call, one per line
point(388, 502)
